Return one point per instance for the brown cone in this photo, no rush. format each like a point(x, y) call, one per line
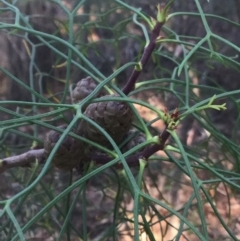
point(113, 116)
point(84, 88)
point(69, 154)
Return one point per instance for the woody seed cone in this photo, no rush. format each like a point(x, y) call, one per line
point(114, 117)
point(69, 154)
point(84, 88)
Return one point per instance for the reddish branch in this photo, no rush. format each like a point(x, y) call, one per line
point(25, 159)
point(130, 85)
point(29, 157)
point(133, 160)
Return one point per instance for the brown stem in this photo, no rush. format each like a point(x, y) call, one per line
point(23, 160)
point(130, 85)
point(133, 160)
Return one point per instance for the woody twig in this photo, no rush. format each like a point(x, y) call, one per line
point(27, 158)
point(156, 28)
point(23, 160)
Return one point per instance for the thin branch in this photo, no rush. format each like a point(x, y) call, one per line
point(23, 160)
point(130, 85)
point(133, 160)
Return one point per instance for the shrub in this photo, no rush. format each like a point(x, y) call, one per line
point(180, 181)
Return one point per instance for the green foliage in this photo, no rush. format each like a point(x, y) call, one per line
point(59, 205)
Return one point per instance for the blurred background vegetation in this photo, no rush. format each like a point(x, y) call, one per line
point(107, 35)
